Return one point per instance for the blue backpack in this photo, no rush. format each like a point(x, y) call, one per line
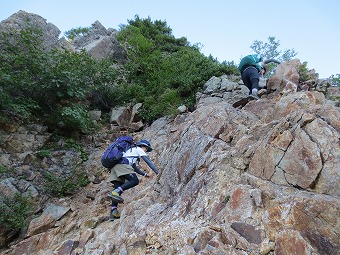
point(114, 153)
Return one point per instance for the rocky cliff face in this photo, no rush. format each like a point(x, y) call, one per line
point(258, 180)
point(262, 179)
point(22, 20)
point(99, 42)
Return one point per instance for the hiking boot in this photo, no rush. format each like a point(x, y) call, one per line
point(254, 92)
point(114, 214)
point(115, 197)
point(253, 97)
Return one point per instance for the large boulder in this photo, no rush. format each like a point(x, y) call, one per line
point(101, 43)
point(286, 77)
point(23, 20)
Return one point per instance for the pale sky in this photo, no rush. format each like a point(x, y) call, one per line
point(226, 29)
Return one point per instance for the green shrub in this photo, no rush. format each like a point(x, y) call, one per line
point(44, 154)
point(6, 170)
point(163, 72)
point(76, 117)
point(63, 186)
point(71, 143)
point(3, 169)
point(303, 72)
point(59, 142)
point(14, 210)
point(50, 85)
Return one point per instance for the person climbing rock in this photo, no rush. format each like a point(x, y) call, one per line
point(251, 68)
point(123, 176)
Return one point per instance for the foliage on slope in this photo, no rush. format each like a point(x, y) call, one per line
point(59, 87)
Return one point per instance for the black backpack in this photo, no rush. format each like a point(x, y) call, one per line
point(114, 153)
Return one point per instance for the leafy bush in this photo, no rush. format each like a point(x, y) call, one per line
point(303, 72)
point(71, 143)
point(13, 211)
point(50, 85)
point(20, 66)
point(77, 117)
point(58, 142)
point(164, 72)
point(3, 169)
point(63, 186)
point(44, 154)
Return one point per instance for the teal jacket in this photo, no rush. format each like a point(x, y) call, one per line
point(250, 60)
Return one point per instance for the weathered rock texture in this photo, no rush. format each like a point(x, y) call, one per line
point(22, 20)
point(99, 42)
point(259, 180)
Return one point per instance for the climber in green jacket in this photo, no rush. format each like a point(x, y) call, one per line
point(251, 68)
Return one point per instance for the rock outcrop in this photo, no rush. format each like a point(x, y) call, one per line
point(22, 20)
point(258, 180)
point(99, 42)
